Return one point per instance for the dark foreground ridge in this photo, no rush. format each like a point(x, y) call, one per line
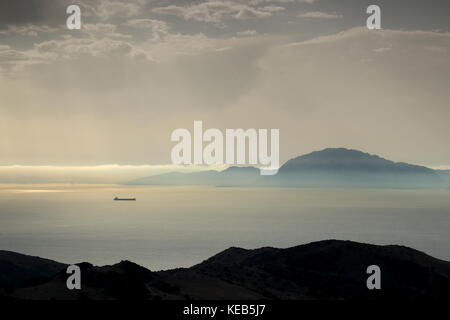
point(329, 269)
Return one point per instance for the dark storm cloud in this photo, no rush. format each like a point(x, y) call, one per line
point(396, 14)
point(19, 12)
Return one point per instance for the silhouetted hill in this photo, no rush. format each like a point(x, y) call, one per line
point(353, 168)
point(328, 269)
point(18, 269)
point(332, 167)
point(331, 270)
point(124, 281)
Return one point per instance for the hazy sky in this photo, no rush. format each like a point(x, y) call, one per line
point(112, 92)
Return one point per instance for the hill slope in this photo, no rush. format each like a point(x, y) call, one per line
point(328, 269)
point(18, 269)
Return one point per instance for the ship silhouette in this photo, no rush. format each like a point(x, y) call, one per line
point(124, 199)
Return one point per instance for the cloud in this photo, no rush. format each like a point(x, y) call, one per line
point(339, 90)
point(319, 15)
point(278, 1)
point(117, 9)
point(78, 47)
point(218, 11)
point(148, 24)
point(158, 28)
point(247, 33)
point(32, 12)
point(29, 30)
point(106, 9)
point(11, 60)
point(110, 173)
point(381, 50)
point(102, 30)
point(441, 167)
point(9, 56)
point(92, 102)
point(94, 98)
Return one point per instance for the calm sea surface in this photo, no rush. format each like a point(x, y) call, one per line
point(171, 227)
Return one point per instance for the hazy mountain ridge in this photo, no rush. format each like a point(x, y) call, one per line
point(341, 159)
point(332, 167)
point(329, 269)
point(445, 176)
point(232, 175)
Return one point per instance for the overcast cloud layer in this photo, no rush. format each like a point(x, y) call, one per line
point(113, 92)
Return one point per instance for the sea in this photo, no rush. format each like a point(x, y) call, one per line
point(180, 226)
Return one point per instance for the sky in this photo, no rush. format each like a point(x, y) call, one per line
point(111, 93)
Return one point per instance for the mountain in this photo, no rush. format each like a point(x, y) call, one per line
point(329, 269)
point(445, 176)
point(344, 160)
point(232, 176)
point(353, 168)
point(332, 167)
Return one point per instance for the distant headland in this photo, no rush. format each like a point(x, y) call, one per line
point(331, 167)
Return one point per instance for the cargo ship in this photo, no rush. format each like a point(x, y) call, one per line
point(124, 199)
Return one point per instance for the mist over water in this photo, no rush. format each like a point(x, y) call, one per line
point(170, 227)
